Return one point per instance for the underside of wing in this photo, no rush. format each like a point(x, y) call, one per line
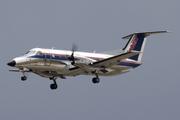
point(48, 74)
point(21, 70)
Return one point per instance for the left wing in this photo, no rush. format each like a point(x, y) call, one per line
point(26, 70)
point(42, 73)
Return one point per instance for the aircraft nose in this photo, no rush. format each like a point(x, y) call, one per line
point(12, 63)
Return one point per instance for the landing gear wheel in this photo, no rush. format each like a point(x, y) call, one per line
point(95, 80)
point(23, 78)
point(53, 86)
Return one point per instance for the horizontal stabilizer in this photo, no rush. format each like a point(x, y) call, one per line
point(145, 34)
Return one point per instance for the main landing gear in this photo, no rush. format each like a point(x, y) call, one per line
point(96, 79)
point(54, 85)
point(23, 78)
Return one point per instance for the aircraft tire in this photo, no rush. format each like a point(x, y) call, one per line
point(23, 78)
point(95, 80)
point(53, 86)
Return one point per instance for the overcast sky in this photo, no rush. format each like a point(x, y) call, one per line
point(149, 92)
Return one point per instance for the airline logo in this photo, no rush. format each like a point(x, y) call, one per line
point(133, 44)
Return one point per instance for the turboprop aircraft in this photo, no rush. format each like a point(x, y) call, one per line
point(52, 63)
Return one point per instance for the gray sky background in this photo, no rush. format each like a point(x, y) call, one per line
point(150, 92)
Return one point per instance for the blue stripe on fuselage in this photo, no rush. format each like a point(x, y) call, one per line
point(56, 57)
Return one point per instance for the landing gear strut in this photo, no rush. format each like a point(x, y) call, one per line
point(23, 78)
point(54, 85)
point(96, 79)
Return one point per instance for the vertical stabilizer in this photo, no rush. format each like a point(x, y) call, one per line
point(137, 43)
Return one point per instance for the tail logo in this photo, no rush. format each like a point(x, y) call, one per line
point(133, 44)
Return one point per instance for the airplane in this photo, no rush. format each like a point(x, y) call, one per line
point(53, 63)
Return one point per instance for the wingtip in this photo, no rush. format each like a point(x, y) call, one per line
point(134, 51)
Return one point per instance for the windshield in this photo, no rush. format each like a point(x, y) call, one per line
point(30, 52)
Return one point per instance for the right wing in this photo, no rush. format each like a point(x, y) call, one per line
point(114, 60)
point(106, 62)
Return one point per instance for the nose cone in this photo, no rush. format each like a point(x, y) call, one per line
point(12, 63)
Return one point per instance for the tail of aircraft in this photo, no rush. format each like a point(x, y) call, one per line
point(137, 43)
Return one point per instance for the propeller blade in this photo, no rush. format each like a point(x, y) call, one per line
point(74, 48)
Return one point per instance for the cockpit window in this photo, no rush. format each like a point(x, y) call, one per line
point(39, 53)
point(30, 52)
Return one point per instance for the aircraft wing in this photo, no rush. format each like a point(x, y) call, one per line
point(114, 60)
point(20, 70)
point(107, 62)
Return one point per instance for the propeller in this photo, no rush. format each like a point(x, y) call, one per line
point(74, 48)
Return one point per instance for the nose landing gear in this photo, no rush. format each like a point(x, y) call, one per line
point(23, 78)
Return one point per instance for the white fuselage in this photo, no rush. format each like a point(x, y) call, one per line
point(57, 60)
point(50, 63)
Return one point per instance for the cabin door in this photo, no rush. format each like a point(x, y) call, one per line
point(48, 57)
